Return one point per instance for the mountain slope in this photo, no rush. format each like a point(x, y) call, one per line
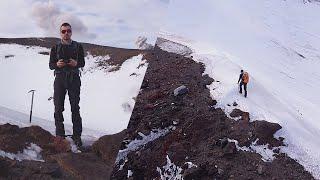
point(110, 81)
point(277, 42)
point(187, 136)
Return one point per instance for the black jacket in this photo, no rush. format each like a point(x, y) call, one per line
point(240, 77)
point(61, 51)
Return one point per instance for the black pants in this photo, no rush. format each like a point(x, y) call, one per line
point(245, 88)
point(62, 85)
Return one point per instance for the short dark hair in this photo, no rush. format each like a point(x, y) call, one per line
point(65, 24)
point(241, 70)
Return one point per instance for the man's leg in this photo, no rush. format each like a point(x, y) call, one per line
point(245, 89)
point(240, 86)
point(58, 100)
point(74, 98)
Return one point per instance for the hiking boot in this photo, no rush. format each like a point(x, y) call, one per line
point(77, 140)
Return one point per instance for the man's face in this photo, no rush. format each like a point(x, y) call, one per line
point(65, 32)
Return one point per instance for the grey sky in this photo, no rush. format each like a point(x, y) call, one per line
point(113, 22)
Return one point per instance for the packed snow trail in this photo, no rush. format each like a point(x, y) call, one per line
point(278, 43)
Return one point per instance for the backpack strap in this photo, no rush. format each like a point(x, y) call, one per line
point(77, 45)
point(58, 49)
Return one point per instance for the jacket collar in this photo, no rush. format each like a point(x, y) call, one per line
point(67, 43)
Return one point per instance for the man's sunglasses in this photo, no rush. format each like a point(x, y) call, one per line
point(64, 31)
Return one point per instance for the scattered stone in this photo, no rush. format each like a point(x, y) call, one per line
point(260, 169)
point(212, 102)
point(236, 113)
point(44, 53)
point(235, 104)
point(281, 139)
point(180, 90)
point(264, 131)
point(8, 56)
point(245, 117)
point(222, 142)
point(230, 148)
point(277, 150)
point(207, 80)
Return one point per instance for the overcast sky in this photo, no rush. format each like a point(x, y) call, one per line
point(113, 22)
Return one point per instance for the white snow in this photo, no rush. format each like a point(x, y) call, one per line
point(130, 173)
point(190, 164)
point(106, 97)
point(32, 152)
point(278, 43)
point(267, 155)
point(170, 171)
point(141, 43)
point(138, 143)
point(173, 47)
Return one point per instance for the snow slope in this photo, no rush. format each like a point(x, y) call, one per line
point(278, 43)
point(106, 97)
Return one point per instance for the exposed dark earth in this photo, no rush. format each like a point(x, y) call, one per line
point(202, 133)
point(58, 161)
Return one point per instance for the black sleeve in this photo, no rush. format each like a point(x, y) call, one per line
point(80, 59)
point(240, 77)
point(53, 58)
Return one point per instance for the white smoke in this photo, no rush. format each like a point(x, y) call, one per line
point(49, 18)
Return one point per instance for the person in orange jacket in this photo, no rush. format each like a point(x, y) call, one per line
point(243, 80)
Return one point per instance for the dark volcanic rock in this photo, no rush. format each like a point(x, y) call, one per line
point(59, 161)
point(107, 147)
point(14, 139)
point(31, 170)
point(180, 90)
point(197, 137)
point(236, 113)
point(83, 165)
point(194, 173)
point(230, 148)
point(264, 131)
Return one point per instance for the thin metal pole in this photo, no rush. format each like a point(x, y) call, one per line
point(31, 104)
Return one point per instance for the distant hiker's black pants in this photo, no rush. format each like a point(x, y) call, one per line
point(61, 86)
point(244, 87)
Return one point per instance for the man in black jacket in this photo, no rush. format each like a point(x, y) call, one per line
point(66, 58)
